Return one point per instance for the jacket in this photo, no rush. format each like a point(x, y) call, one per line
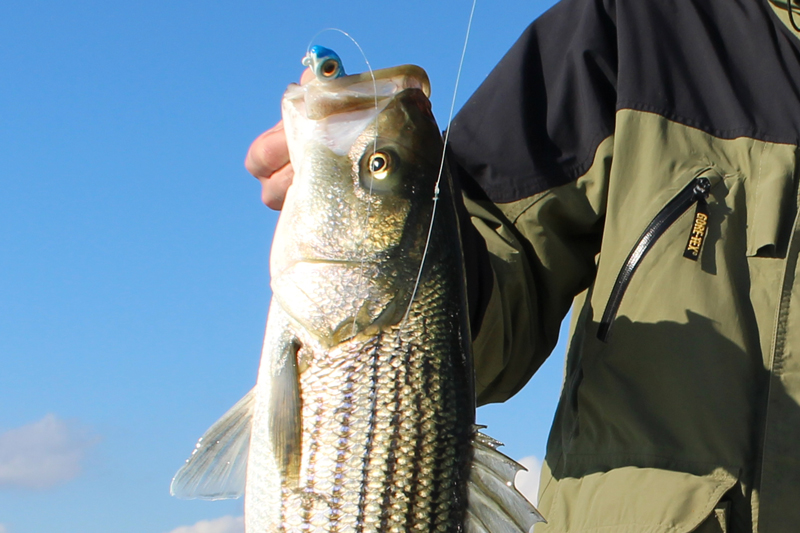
point(637, 160)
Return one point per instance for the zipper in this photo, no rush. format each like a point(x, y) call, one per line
point(696, 192)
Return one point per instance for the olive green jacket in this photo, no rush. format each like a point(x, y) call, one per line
point(636, 159)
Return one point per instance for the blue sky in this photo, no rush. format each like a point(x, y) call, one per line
point(134, 247)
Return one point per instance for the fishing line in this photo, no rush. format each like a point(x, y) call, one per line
point(441, 164)
point(371, 74)
point(361, 276)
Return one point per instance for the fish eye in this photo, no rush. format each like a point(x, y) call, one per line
point(329, 68)
point(379, 165)
point(381, 171)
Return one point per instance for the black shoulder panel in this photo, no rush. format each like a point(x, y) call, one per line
point(535, 121)
point(729, 68)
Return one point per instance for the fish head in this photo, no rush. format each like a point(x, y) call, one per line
point(350, 239)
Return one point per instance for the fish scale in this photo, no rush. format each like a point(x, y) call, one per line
point(362, 418)
point(368, 404)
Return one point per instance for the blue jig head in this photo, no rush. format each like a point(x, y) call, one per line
point(325, 63)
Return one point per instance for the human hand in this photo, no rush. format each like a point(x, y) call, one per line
point(268, 160)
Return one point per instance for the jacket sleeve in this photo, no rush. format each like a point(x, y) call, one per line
point(531, 151)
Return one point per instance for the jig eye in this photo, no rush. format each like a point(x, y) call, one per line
point(379, 165)
point(329, 68)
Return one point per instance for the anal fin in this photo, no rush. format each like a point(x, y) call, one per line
point(494, 503)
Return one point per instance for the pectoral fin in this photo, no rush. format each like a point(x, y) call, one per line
point(216, 469)
point(494, 502)
point(284, 406)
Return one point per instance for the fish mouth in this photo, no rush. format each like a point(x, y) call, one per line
point(319, 99)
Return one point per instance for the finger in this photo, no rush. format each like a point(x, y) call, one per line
point(268, 160)
point(273, 188)
point(307, 76)
point(268, 153)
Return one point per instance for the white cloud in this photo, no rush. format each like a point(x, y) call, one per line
point(528, 482)
point(226, 524)
point(3, 529)
point(42, 454)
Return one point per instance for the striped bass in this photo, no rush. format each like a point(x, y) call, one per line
point(363, 415)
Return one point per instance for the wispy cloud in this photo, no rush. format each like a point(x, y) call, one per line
point(42, 454)
point(528, 482)
point(3, 529)
point(226, 524)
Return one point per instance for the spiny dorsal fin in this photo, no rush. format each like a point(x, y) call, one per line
point(217, 467)
point(495, 504)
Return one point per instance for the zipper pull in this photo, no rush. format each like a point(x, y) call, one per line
point(697, 235)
